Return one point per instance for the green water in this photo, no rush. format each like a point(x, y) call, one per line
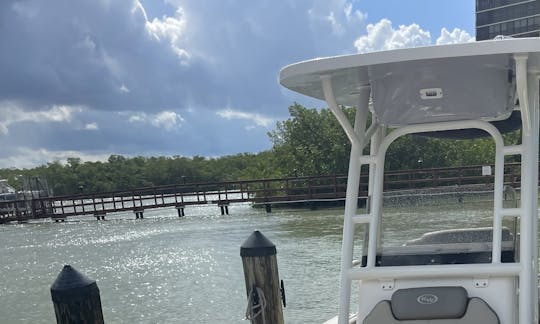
point(165, 269)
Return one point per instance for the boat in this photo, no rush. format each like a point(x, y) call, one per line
point(21, 205)
point(7, 192)
point(462, 275)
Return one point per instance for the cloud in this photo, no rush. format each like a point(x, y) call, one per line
point(171, 29)
point(338, 15)
point(11, 113)
point(455, 36)
point(258, 119)
point(383, 36)
point(104, 55)
point(123, 89)
point(112, 56)
point(167, 120)
point(140, 71)
point(27, 158)
point(91, 126)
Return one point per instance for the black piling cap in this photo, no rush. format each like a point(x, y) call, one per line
point(257, 245)
point(71, 285)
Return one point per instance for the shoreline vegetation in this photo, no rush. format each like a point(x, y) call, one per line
point(309, 143)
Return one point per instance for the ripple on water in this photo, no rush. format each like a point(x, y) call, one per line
point(167, 269)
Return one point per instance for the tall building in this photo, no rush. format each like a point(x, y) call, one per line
point(516, 18)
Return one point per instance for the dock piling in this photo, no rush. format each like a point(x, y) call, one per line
point(139, 213)
point(76, 298)
point(262, 280)
point(180, 209)
point(224, 209)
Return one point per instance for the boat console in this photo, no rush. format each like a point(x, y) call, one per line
point(459, 246)
point(457, 91)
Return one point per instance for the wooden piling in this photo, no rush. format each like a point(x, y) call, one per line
point(180, 210)
point(224, 209)
point(268, 208)
point(76, 298)
point(262, 280)
point(100, 215)
point(139, 213)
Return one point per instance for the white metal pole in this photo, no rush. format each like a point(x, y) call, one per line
point(531, 206)
point(534, 88)
point(529, 169)
point(351, 201)
point(498, 202)
point(355, 137)
point(377, 199)
point(373, 149)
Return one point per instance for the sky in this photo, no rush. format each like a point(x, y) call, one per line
point(91, 78)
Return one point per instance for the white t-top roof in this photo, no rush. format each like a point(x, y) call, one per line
point(425, 84)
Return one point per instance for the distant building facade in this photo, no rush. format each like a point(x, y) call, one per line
point(516, 18)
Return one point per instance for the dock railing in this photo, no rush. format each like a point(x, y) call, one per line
point(289, 190)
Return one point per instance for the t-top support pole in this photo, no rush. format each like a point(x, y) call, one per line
point(527, 91)
point(357, 137)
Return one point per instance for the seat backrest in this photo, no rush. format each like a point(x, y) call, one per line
point(432, 305)
point(429, 303)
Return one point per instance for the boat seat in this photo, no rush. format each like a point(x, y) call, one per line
point(432, 305)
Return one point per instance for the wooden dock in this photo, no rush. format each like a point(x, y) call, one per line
point(267, 192)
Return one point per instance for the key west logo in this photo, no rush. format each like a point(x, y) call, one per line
point(427, 299)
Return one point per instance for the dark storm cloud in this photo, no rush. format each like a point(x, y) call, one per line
point(108, 55)
point(94, 53)
point(95, 77)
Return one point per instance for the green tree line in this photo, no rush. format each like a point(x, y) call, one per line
point(310, 142)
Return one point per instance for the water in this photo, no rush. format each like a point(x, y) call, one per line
point(164, 269)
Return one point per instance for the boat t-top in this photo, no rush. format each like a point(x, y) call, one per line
point(477, 275)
